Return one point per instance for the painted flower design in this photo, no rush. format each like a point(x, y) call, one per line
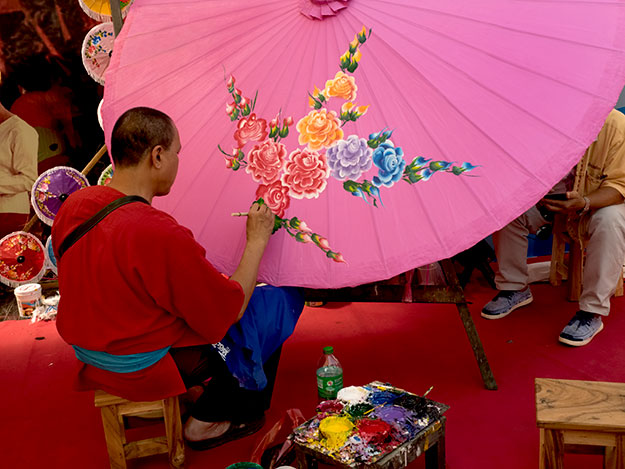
point(342, 86)
point(276, 196)
point(306, 174)
point(265, 161)
point(319, 129)
point(250, 129)
point(349, 158)
point(390, 162)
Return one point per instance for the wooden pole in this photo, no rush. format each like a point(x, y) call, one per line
point(86, 170)
point(116, 13)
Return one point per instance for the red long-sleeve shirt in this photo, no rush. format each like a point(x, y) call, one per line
point(137, 282)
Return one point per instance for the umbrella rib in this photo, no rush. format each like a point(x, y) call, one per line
point(198, 173)
point(503, 59)
point(498, 95)
point(508, 28)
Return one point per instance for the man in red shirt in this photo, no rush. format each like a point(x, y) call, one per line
point(126, 305)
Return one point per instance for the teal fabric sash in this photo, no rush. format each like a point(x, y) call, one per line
point(119, 363)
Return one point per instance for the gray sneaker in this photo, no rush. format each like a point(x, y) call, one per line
point(505, 302)
point(581, 329)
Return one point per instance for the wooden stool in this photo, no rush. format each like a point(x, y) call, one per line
point(114, 409)
point(580, 417)
point(574, 270)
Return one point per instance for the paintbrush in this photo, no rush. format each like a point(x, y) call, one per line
point(239, 214)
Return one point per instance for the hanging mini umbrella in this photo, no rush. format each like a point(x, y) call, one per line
point(52, 188)
point(100, 10)
point(22, 259)
point(100, 114)
point(105, 177)
point(97, 48)
point(398, 143)
point(50, 257)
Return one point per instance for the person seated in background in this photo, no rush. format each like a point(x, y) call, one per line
point(141, 305)
point(18, 170)
point(600, 211)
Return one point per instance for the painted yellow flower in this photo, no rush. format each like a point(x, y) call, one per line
point(319, 129)
point(342, 86)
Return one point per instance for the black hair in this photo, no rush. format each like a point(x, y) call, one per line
point(137, 131)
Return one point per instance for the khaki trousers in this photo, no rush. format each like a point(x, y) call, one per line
point(605, 253)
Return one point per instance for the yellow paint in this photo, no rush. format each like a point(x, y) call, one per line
point(335, 430)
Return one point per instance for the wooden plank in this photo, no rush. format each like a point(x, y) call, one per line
point(589, 438)
point(580, 405)
point(136, 408)
point(148, 447)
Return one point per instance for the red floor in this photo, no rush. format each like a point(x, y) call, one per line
point(47, 425)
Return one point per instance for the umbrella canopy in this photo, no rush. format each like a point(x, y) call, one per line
point(389, 146)
point(52, 188)
point(100, 10)
point(50, 257)
point(22, 259)
point(97, 48)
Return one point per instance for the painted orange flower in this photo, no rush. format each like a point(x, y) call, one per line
point(319, 129)
point(342, 86)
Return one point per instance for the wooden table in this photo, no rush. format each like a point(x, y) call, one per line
point(580, 417)
point(405, 288)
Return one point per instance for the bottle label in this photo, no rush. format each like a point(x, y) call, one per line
point(328, 386)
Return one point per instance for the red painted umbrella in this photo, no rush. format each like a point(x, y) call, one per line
point(22, 259)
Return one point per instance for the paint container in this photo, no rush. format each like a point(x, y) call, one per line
point(244, 465)
point(28, 297)
point(335, 430)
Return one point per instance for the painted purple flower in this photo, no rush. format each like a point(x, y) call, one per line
point(348, 159)
point(390, 161)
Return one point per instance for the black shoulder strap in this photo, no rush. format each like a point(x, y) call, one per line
point(84, 227)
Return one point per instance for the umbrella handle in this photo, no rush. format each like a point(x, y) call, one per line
point(86, 169)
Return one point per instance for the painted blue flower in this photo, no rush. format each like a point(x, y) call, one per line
point(349, 158)
point(390, 162)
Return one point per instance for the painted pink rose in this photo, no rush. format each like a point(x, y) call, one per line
point(250, 129)
point(265, 161)
point(276, 196)
point(306, 174)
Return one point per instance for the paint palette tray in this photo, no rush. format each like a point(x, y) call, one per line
point(367, 426)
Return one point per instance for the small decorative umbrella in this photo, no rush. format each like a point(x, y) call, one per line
point(50, 257)
point(100, 114)
point(97, 48)
point(100, 10)
point(402, 132)
point(52, 188)
point(105, 177)
point(22, 259)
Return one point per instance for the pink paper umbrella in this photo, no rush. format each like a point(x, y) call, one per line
point(97, 48)
point(385, 135)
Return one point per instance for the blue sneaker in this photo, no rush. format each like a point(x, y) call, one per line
point(581, 329)
point(505, 302)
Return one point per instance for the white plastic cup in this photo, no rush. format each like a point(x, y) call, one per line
point(28, 297)
point(431, 274)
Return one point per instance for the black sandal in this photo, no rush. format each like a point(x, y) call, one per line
point(233, 433)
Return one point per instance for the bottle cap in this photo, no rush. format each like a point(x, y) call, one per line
point(328, 350)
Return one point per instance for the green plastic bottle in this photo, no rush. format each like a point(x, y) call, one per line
point(329, 375)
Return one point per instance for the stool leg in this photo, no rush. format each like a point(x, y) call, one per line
point(173, 430)
point(620, 451)
point(553, 449)
point(541, 450)
point(609, 458)
point(115, 436)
